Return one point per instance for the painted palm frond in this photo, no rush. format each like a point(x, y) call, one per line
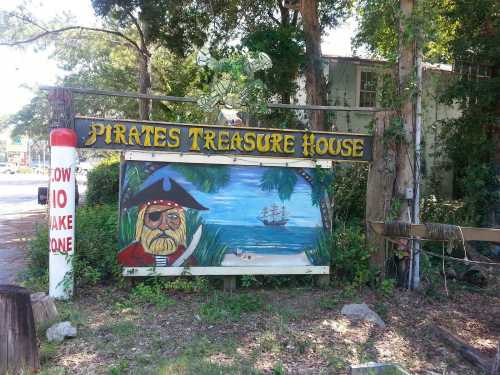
point(208, 179)
point(281, 180)
point(210, 251)
point(320, 254)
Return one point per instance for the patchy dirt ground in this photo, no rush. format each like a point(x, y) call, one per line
point(292, 331)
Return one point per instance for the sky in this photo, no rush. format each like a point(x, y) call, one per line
point(240, 202)
point(23, 70)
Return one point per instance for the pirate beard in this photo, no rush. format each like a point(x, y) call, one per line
point(157, 241)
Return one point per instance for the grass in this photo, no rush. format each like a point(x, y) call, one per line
point(196, 359)
point(222, 307)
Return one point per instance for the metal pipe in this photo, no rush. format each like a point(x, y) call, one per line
point(187, 99)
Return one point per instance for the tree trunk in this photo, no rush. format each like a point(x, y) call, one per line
point(144, 67)
point(315, 83)
point(18, 347)
point(44, 309)
point(379, 191)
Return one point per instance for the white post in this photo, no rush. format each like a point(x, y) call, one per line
point(62, 212)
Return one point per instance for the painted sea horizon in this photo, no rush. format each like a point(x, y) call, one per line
point(266, 240)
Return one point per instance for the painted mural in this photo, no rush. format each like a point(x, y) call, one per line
point(178, 215)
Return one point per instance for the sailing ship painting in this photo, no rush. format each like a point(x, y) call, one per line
point(274, 216)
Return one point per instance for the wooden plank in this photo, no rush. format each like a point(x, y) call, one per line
point(470, 233)
point(225, 271)
point(227, 160)
point(467, 351)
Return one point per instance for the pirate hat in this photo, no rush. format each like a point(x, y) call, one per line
point(155, 193)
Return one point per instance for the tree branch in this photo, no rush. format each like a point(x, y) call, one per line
point(138, 27)
point(34, 38)
point(271, 15)
point(295, 17)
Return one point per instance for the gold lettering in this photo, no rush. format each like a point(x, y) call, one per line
point(249, 141)
point(195, 134)
point(308, 144)
point(331, 150)
point(236, 141)
point(119, 130)
point(346, 147)
point(95, 130)
point(107, 137)
point(289, 144)
point(223, 141)
point(134, 133)
point(357, 149)
point(275, 142)
point(175, 136)
point(159, 137)
point(209, 136)
point(147, 130)
point(321, 146)
point(263, 144)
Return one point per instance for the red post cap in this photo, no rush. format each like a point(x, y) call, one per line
point(63, 137)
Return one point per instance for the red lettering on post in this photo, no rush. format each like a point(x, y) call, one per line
point(59, 198)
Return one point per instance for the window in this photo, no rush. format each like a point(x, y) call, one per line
point(368, 89)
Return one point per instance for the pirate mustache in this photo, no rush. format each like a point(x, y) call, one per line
point(161, 235)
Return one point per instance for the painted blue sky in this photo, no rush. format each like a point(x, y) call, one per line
point(241, 200)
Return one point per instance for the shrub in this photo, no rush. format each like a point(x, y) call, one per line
point(350, 258)
point(349, 192)
point(103, 183)
point(96, 247)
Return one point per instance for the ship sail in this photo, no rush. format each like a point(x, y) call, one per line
point(274, 215)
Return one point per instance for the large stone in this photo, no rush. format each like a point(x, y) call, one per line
point(59, 331)
point(363, 312)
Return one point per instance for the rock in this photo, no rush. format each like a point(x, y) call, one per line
point(59, 331)
point(362, 311)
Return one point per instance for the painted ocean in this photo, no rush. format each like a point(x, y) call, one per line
point(266, 240)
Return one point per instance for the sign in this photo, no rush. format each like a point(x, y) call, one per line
point(61, 201)
point(217, 140)
point(202, 219)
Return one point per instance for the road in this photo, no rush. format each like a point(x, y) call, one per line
point(19, 212)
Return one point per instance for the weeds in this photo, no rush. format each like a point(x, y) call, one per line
point(222, 307)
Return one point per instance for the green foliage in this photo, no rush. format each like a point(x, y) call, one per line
point(285, 46)
point(224, 307)
point(349, 192)
point(350, 259)
point(96, 239)
point(151, 293)
point(434, 210)
point(387, 286)
point(233, 83)
point(103, 183)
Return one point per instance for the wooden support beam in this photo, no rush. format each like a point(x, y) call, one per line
point(467, 351)
point(470, 233)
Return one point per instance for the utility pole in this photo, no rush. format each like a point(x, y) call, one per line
point(405, 181)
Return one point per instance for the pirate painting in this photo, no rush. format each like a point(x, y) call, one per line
point(160, 233)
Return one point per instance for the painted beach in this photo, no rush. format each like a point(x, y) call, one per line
point(266, 245)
